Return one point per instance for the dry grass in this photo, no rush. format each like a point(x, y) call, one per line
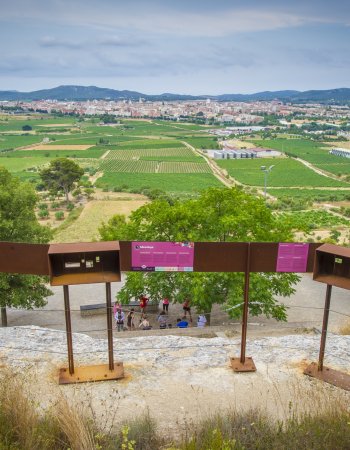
point(345, 329)
point(94, 213)
point(23, 425)
point(339, 144)
point(73, 423)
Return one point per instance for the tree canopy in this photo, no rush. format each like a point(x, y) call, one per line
point(18, 223)
point(219, 215)
point(61, 175)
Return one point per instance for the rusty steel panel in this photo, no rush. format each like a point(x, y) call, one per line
point(227, 256)
point(88, 374)
point(246, 366)
point(332, 266)
point(328, 375)
point(334, 250)
point(24, 258)
point(125, 256)
point(220, 256)
point(84, 247)
point(264, 256)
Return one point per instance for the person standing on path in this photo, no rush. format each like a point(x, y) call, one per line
point(119, 319)
point(187, 309)
point(166, 305)
point(143, 304)
point(130, 320)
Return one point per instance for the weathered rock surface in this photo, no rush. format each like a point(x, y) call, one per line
point(178, 378)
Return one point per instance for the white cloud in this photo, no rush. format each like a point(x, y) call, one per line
point(151, 19)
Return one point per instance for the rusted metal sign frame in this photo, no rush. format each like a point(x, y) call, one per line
point(102, 372)
point(209, 257)
point(318, 370)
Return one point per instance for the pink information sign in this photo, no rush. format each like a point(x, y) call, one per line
point(292, 257)
point(162, 256)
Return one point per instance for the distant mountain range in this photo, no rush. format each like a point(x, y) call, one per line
point(341, 95)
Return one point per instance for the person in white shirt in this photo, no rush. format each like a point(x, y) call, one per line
point(201, 321)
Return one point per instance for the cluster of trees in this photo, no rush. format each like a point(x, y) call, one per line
point(218, 214)
point(18, 223)
point(61, 176)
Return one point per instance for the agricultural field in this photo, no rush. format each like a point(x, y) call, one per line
point(316, 219)
point(135, 153)
point(315, 153)
point(286, 172)
point(171, 182)
point(311, 194)
point(130, 166)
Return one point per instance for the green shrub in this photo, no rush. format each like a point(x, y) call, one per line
point(43, 214)
point(59, 215)
point(55, 205)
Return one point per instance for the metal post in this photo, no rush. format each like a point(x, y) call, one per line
point(245, 307)
point(68, 329)
point(324, 327)
point(109, 326)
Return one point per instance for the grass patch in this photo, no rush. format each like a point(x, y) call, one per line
point(313, 152)
point(64, 425)
point(72, 217)
point(286, 173)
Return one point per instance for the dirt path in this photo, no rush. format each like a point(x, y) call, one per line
point(316, 170)
point(217, 172)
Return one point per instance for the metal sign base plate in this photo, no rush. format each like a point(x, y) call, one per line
point(91, 373)
point(247, 366)
point(331, 376)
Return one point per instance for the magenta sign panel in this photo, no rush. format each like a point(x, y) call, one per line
point(162, 256)
point(292, 257)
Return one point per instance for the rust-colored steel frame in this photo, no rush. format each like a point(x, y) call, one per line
point(318, 370)
point(90, 373)
point(242, 257)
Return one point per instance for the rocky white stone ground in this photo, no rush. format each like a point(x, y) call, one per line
point(178, 379)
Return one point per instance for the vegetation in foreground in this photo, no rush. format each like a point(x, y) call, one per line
point(63, 426)
point(218, 215)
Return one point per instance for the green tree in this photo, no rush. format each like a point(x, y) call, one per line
point(221, 215)
point(61, 175)
point(18, 223)
point(26, 128)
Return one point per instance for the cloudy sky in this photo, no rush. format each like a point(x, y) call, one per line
point(182, 46)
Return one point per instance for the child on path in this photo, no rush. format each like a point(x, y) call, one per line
point(163, 320)
point(119, 319)
point(201, 321)
point(144, 325)
point(130, 320)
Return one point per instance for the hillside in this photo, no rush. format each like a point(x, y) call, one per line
point(80, 93)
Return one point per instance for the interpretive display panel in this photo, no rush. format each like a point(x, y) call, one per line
point(162, 256)
point(292, 257)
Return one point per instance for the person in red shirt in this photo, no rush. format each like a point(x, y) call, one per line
point(143, 304)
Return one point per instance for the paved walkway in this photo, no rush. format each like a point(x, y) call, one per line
point(306, 311)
